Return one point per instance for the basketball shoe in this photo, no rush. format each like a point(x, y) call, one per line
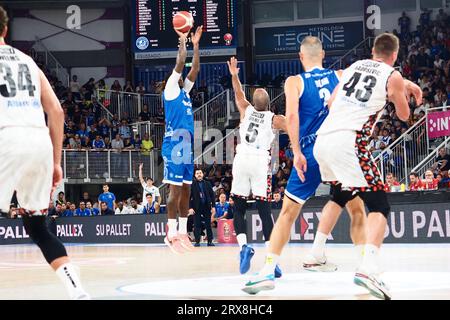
point(260, 282)
point(311, 263)
point(185, 242)
point(174, 244)
point(373, 283)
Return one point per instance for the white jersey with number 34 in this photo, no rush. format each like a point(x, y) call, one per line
point(20, 90)
point(362, 94)
point(256, 132)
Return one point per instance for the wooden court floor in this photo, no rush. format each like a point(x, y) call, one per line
point(153, 272)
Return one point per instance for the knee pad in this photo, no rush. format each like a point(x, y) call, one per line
point(51, 247)
point(376, 202)
point(341, 197)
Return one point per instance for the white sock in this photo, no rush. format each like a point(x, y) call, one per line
point(69, 277)
point(172, 224)
point(359, 251)
point(318, 248)
point(241, 239)
point(370, 259)
point(182, 225)
point(271, 262)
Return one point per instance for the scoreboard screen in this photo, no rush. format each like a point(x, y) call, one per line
point(154, 38)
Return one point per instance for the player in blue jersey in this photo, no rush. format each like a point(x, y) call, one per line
point(177, 148)
point(306, 109)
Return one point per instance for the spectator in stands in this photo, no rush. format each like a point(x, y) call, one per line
point(442, 161)
point(98, 144)
point(104, 127)
point(70, 212)
point(105, 210)
point(61, 199)
point(392, 185)
point(128, 87)
point(445, 182)
point(151, 206)
point(107, 143)
point(127, 144)
point(135, 207)
point(424, 18)
point(75, 142)
point(404, 22)
point(385, 137)
point(221, 210)
point(89, 88)
point(116, 86)
point(107, 197)
point(82, 211)
point(137, 141)
point(86, 198)
point(124, 130)
point(147, 145)
point(121, 209)
point(117, 147)
point(415, 184)
point(12, 213)
point(102, 87)
point(277, 201)
point(75, 87)
point(144, 115)
point(93, 211)
point(430, 183)
point(141, 88)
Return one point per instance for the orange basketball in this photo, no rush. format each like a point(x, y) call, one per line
point(183, 21)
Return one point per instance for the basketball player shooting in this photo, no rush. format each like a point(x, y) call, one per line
point(177, 148)
point(251, 166)
point(25, 94)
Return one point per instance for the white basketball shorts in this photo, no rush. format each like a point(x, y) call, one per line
point(251, 174)
point(26, 166)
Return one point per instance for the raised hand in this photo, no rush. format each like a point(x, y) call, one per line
point(232, 66)
point(195, 37)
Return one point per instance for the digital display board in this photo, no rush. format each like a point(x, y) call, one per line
point(154, 38)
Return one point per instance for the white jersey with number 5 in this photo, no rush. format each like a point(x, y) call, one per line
point(20, 90)
point(256, 132)
point(362, 94)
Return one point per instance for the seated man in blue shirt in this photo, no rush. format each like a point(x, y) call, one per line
point(82, 211)
point(222, 208)
point(92, 211)
point(152, 206)
point(70, 212)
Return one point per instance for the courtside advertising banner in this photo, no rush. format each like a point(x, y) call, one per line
point(407, 223)
point(438, 124)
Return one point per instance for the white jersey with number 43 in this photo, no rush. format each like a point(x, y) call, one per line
point(20, 90)
point(256, 132)
point(362, 94)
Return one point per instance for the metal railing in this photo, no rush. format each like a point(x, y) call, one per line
point(130, 104)
point(428, 162)
point(215, 113)
point(408, 151)
point(51, 62)
point(404, 153)
point(154, 130)
point(108, 164)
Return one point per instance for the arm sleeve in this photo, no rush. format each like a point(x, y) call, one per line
point(188, 85)
point(172, 90)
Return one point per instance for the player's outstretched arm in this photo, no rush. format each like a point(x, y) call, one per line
point(182, 52)
point(292, 89)
point(239, 94)
point(55, 114)
point(141, 178)
point(397, 94)
point(192, 75)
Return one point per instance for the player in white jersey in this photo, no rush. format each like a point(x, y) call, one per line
point(342, 145)
point(25, 94)
point(148, 187)
point(251, 167)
